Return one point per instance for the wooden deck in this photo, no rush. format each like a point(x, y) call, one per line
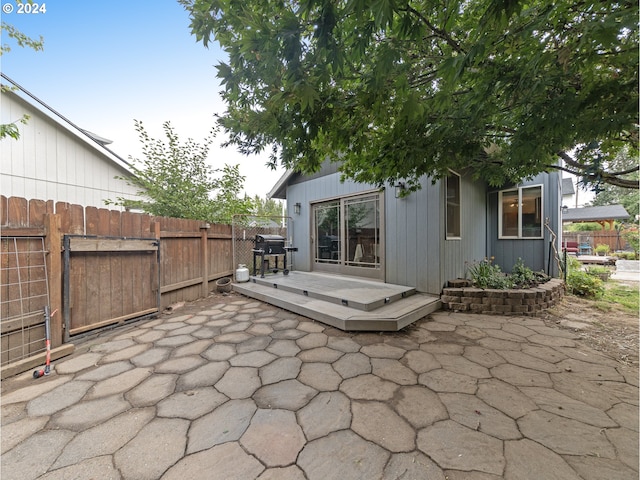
point(595, 259)
point(346, 303)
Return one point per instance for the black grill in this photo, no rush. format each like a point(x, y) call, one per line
point(271, 246)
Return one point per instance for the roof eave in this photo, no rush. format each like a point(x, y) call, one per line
point(279, 190)
point(88, 138)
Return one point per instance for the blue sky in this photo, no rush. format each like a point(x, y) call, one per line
point(106, 63)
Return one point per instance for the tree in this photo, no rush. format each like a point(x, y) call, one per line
point(613, 195)
point(267, 207)
point(178, 183)
point(11, 129)
point(399, 89)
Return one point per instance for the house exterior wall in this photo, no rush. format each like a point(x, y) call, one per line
point(49, 162)
point(472, 245)
point(416, 251)
point(533, 252)
point(306, 193)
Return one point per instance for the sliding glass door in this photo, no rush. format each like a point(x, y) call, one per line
point(347, 236)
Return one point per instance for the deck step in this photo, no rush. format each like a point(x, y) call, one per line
point(387, 318)
point(365, 295)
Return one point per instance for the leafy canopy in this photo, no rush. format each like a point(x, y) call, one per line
point(177, 182)
point(402, 88)
point(267, 207)
point(612, 195)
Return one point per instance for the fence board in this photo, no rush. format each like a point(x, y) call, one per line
point(111, 245)
point(104, 222)
point(4, 211)
point(82, 290)
point(76, 219)
point(37, 211)
point(613, 239)
point(91, 220)
point(115, 229)
point(17, 208)
point(62, 209)
point(128, 226)
point(107, 285)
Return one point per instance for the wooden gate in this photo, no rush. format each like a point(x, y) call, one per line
point(108, 280)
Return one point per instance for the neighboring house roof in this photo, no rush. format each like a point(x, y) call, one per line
point(567, 187)
point(93, 140)
point(595, 214)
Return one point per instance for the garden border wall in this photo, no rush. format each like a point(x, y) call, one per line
point(527, 302)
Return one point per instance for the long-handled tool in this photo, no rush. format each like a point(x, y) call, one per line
point(47, 331)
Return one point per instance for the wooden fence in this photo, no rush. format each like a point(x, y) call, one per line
point(614, 239)
point(192, 256)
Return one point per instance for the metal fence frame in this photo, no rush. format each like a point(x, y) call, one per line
point(28, 320)
point(246, 227)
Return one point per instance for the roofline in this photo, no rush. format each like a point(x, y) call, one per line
point(575, 214)
point(92, 140)
point(277, 190)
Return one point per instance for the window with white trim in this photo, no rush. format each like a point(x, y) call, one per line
point(520, 212)
point(452, 187)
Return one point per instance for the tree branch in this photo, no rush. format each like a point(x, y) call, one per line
point(440, 33)
point(597, 176)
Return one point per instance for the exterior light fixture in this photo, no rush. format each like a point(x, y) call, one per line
point(296, 208)
point(400, 186)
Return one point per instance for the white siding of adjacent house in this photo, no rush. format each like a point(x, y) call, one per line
point(49, 162)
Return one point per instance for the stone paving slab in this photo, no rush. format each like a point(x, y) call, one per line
point(232, 388)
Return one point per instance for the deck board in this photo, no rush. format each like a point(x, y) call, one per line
point(360, 294)
point(390, 316)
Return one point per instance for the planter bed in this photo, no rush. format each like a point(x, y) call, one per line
point(529, 301)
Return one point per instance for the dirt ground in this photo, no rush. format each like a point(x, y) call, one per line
point(613, 332)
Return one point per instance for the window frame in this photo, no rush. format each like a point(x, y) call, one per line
point(539, 207)
point(453, 236)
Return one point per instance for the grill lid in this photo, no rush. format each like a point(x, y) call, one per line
point(269, 239)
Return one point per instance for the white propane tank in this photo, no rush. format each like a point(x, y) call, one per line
point(242, 273)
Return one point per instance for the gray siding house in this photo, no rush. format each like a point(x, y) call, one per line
point(422, 239)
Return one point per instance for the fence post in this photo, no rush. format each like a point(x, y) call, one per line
point(157, 234)
point(204, 244)
point(53, 245)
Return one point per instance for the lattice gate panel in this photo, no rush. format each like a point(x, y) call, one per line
point(24, 292)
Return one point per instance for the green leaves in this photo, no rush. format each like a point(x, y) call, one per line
point(11, 129)
point(391, 88)
point(177, 181)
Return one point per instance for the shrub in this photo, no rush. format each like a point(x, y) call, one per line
point(584, 285)
point(573, 263)
point(523, 277)
point(602, 249)
point(581, 283)
point(624, 255)
point(484, 274)
point(583, 227)
point(603, 273)
point(630, 234)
